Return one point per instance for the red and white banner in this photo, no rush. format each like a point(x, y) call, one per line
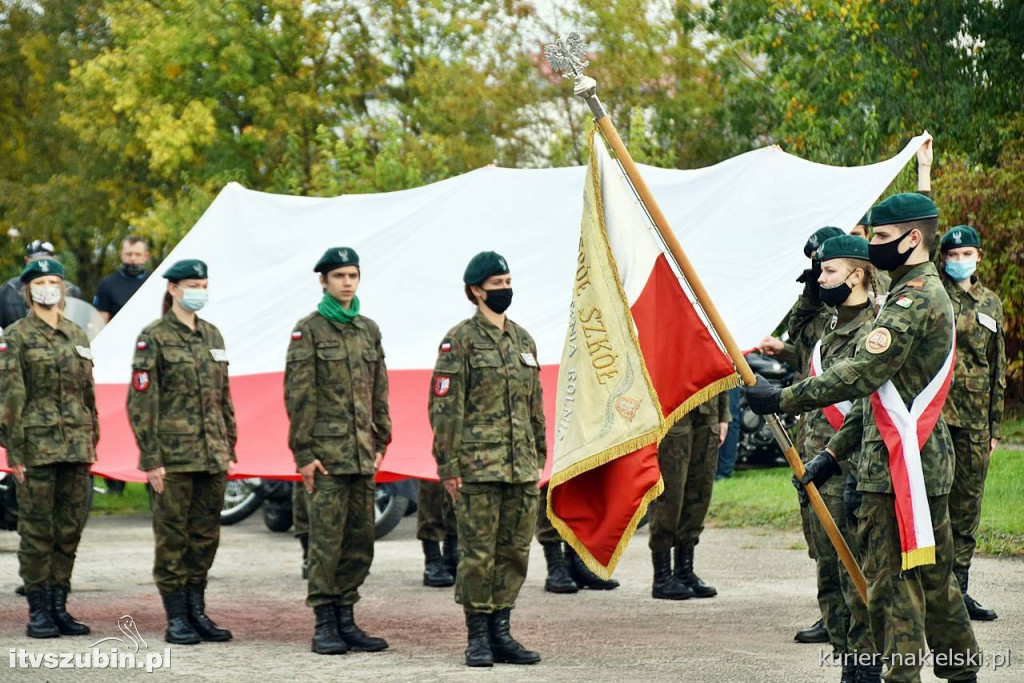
point(744, 221)
point(904, 431)
point(835, 413)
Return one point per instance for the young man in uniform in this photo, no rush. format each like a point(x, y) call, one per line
point(974, 408)
point(904, 454)
point(336, 393)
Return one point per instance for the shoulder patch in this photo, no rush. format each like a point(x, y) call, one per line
point(987, 321)
point(904, 302)
point(3, 346)
point(296, 335)
point(141, 345)
point(445, 346)
point(442, 385)
point(140, 380)
point(915, 284)
point(878, 340)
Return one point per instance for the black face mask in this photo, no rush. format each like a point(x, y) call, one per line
point(498, 300)
point(835, 296)
point(887, 256)
point(131, 269)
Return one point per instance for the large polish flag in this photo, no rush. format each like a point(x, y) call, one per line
point(637, 357)
point(744, 220)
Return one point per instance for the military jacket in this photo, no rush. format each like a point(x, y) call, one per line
point(179, 402)
point(47, 395)
point(840, 341)
point(710, 413)
point(806, 324)
point(908, 343)
point(975, 398)
point(336, 393)
point(486, 406)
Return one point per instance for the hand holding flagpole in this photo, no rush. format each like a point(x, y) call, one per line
point(567, 56)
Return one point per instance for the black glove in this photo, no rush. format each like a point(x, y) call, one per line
point(820, 469)
point(801, 494)
point(763, 397)
point(851, 500)
point(809, 278)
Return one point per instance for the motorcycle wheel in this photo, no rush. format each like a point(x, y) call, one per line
point(277, 517)
point(241, 499)
point(389, 510)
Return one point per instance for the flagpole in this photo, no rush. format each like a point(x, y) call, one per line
point(566, 56)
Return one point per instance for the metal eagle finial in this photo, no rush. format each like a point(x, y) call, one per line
point(566, 55)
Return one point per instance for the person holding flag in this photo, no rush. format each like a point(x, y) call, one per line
point(487, 412)
point(901, 448)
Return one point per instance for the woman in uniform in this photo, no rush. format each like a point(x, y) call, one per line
point(50, 429)
point(487, 414)
point(184, 423)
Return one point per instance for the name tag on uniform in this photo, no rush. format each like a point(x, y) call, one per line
point(987, 321)
point(219, 355)
point(84, 352)
point(529, 359)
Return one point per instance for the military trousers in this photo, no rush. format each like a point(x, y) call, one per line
point(53, 505)
point(858, 635)
point(186, 528)
point(971, 447)
point(435, 515)
point(341, 516)
point(688, 458)
point(907, 608)
point(546, 532)
point(496, 523)
point(300, 510)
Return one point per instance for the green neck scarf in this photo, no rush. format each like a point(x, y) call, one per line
point(331, 309)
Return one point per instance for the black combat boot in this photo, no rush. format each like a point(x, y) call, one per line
point(204, 625)
point(179, 630)
point(849, 674)
point(40, 618)
point(435, 573)
point(815, 633)
point(666, 586)
point(356, 639)
point(451, 553)
point(478, 647)
point(66, 624)
point(558, 580)
point(975, 609)
point(326, 639)
point(869, 673)
point(684, 573)
point(304, 542)
point(583, 577)
point(504, 647)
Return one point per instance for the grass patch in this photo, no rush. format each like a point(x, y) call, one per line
point(133, 501)
point(765, 498)
point(1013, 429)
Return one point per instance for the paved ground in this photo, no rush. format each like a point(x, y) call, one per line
point(764, 579)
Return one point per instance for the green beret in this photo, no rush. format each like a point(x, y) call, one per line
point(336, 257)
point(843, 246)
point(189, 269)
point(961, 236)
point(484, 265)
point(819, 236)
point(902, 208)
point(41, 267)
point(864, 219)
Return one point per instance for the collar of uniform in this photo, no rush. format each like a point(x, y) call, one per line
point(180, 327)
point(491, 329)
point(357, 322)
point(906, 273)
point(849, 317)
point(45, 328)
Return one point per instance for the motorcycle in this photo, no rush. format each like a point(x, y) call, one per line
point(273, 497)
point(757, 446)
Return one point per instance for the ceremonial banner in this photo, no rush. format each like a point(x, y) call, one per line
point(637, 357)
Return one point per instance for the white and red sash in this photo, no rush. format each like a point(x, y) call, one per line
point(904, 431)
point(836, 413)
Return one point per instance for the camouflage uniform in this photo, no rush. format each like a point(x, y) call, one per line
point(487, 413)
point(336, 393)
point(181, 412)
point(974, 407)
point(687, 457)
point(546, 532)
point(435, 515)
point(904, 606)
point(49, 424)
point(300, 510)
point(842, 612)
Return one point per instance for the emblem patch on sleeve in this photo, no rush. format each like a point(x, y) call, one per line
point(141, 345)
point(988, 322)
point(446, 346)
point(879, 340)
point(442, 385)
point(904, 302)
point(296, 335)
point(915, 284)
point(3, 347)
point(140, 380)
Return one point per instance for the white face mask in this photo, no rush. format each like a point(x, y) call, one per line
point(45, 295)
